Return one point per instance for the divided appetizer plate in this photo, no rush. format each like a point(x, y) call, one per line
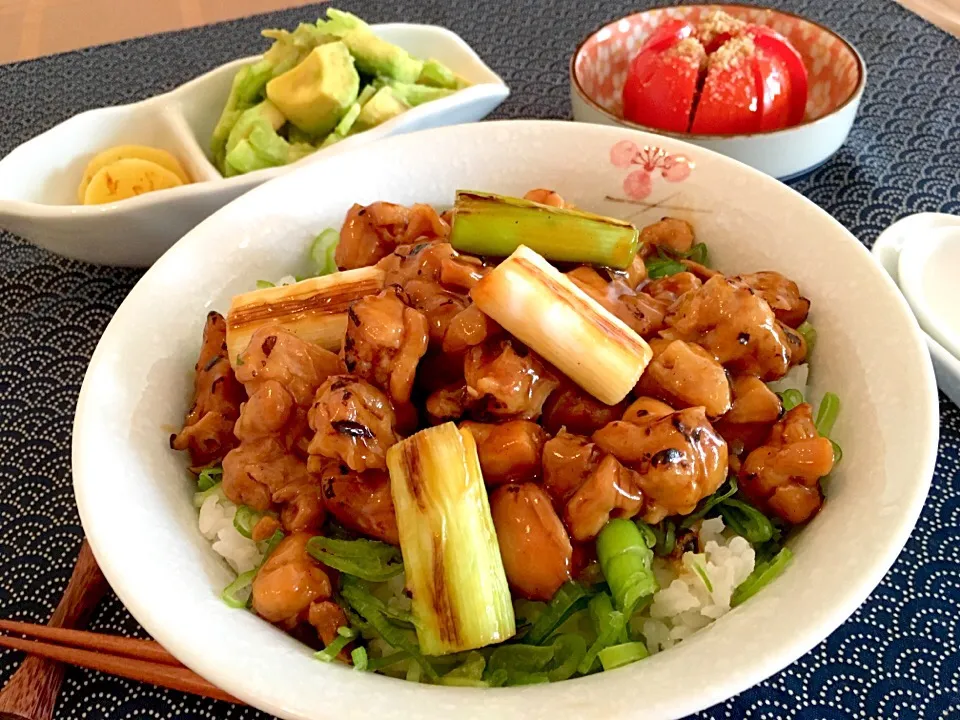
point(39, 179)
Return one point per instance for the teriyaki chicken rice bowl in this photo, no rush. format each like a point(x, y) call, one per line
point(511, 443)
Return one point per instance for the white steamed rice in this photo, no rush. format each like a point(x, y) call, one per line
point(216, 525)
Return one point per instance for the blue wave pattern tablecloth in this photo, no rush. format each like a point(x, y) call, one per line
point(897, 657)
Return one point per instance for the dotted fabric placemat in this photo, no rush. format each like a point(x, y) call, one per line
point(897, 657)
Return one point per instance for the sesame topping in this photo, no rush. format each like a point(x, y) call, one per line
point(719, 23)
point(691, 49)
point(732, 53)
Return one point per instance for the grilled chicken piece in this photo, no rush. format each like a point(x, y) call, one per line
point(361, 501)
point(207, 432)
point(258, 469)
point(669, 233)
point(289, 582)
point(534, 545)
point(506, 380)
point(685, 375)
point(641, 312)
point(573, 408)
point(735, 325)
point(782, 295)
point(510, 451)
point(783, 475)
point(568, 460)
point(753, 402)
point(372, 232)
point(668, 289)
point(354, 424)
point(385, 340)
point(679, 459)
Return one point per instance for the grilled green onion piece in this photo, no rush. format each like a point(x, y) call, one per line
point(761, 576)
point(618, 655)
point(627, 563)
point(489, 224)
point(461, 600)
point(366, 559)
point(545, 310)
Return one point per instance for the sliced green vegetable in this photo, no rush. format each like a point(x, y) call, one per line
point(209, 477)
point(437, 74)
point(663, 265)
point(384, 105)
point(490, 224)
point(704, 578)
point(271, 544)
point(375, 664)
point(469, 673)
point(762, 575)
point(243, 159)
point(331, 651)
point(366, 559)
point(570, 598)
point(698, 254)
point(569, 650)
point(724, 492)
point(837, 452)
point(269, 145)
point(611, 627)
point(746, 520)
point(666, 532)
point(372, 612)
point(237, 593)
point(244, 520)
point(264, 284)
point(374, 55)
point(359, 657)
point(790, 399)
point(323, 252)
point(200, 497)
point(414, 94)
point(827, 414)
point(627, 563)
point(809, 335)
point(619, 655)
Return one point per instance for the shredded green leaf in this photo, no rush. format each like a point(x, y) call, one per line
point(746, 520)
point(763, 574)
point(359, 657)
point(322, 252)
point(366, 559)
point(470, 670)
point(663, 267)
point(567, 600)
point(375, 664)
point(611, 627)
point(331, 651)
point(698, 253)
point(264, 284)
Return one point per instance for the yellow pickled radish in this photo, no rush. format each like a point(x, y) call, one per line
point(131, 152)
point(127, 178)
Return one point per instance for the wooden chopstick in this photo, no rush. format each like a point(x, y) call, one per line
point(163, 674)
point(149, 650)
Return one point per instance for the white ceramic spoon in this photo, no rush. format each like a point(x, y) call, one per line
point(928, 279)
point(887, 250)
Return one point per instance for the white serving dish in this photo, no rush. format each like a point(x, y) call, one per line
point(837, 76)
point(134, 493)
point(886, 251)
point(39, 179)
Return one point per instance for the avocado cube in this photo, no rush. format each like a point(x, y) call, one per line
point(375, 56)
point(383, 106)
point(315, 94)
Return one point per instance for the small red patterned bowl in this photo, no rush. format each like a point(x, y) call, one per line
point(837, 76)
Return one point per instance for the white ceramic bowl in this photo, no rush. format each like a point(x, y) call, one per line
point(886, 251)
point(837, 76)
point(39, 179)
point(134, 494)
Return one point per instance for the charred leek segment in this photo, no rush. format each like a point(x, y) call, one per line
point(488, 224)
point(546, 311)
point(460, 596)
point(314, 309)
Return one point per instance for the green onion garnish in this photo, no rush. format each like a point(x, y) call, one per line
point(200, 497)
point(322, 252)
point(237, 593)
point(761, 576)
point(244, 520)
point(264, 284)
point(470, 670)
point(619, 655)
point(359, 657)
point(271, 544)
point(666, 532)
point(664, 267)
point(569, 650)
point(611, 627)
point(374, 664)
point(827, 413)
point(331, 651)
point(209, 477)
point(698, 254)
point(366, 559)
point(790, 399)
point(570, 598)
point(627, 563)
point(726, 491)
point(702, 572)
point(837, 452)
point(809, 335)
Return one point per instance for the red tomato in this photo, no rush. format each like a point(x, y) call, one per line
point(772, 44)
point(660, 88)
point(668, 35)
point(773, 79)
point(729, 101)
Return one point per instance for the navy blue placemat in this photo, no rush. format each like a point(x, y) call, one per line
point(897, 657)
